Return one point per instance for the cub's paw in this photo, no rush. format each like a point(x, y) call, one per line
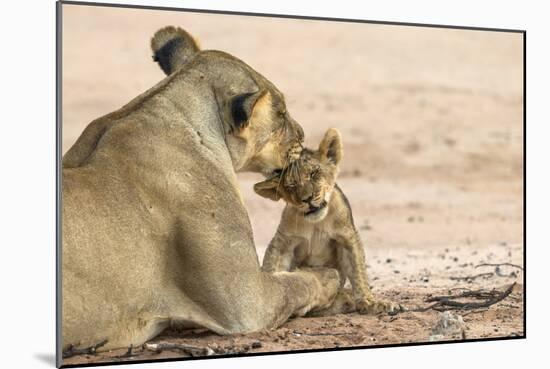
point(373, 307)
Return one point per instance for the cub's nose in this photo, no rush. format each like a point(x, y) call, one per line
point(307, 200)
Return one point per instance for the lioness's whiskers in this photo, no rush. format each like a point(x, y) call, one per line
point(285, 165)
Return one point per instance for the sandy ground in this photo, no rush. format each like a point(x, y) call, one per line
point(431, 121)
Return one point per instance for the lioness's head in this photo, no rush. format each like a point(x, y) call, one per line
point(307, 184)
point(260, 134)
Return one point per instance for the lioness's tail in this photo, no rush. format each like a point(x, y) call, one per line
point(173, 47)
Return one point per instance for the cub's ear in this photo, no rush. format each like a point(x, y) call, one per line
point(247, 107)
point(331, 146)
point(172, 48)
point(268, 189)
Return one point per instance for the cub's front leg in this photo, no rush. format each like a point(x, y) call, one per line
point(279, 254)
point(353, 260)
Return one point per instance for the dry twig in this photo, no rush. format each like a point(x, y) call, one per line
point(471, 278)
point(498, 270)
point(72, 351)
point(449, 302)
point(475, 312)
point(324, 333)
point(187, 349)
point(499, 264)
point(490, 298)
point(128, 353)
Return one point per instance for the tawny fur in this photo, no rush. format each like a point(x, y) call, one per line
point(317, 229)
point(155, 232)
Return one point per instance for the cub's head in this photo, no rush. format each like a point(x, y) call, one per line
point(307, 184)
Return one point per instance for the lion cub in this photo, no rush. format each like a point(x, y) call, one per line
point(317, 228)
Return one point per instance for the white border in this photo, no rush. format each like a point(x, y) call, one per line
point(28, 182)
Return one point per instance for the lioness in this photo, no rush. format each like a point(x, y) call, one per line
point(317, 228)
point(154, 227)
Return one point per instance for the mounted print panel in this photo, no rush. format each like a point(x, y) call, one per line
point(237, 184)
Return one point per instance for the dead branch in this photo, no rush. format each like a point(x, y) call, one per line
point(186, 349)
point(499, 265)
point(511, 306)
point(475, 312)
point(323, 333)
point(479, 294)
point(73, 351)
point(498, 270)
point(449, 302)
point(459, 288)
point(128, 353)
point(471, 278)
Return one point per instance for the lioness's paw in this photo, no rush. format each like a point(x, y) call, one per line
point(330, 279)
point(377, 307)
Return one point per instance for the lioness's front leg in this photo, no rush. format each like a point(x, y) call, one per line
point(343, 303)
point(306, 289)
point(365, 301)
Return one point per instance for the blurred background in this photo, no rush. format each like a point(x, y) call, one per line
point(431, 118)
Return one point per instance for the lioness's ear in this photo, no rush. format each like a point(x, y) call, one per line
point(248, 106)
point(268, 189)
point(172, 48)
point(331, 146)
